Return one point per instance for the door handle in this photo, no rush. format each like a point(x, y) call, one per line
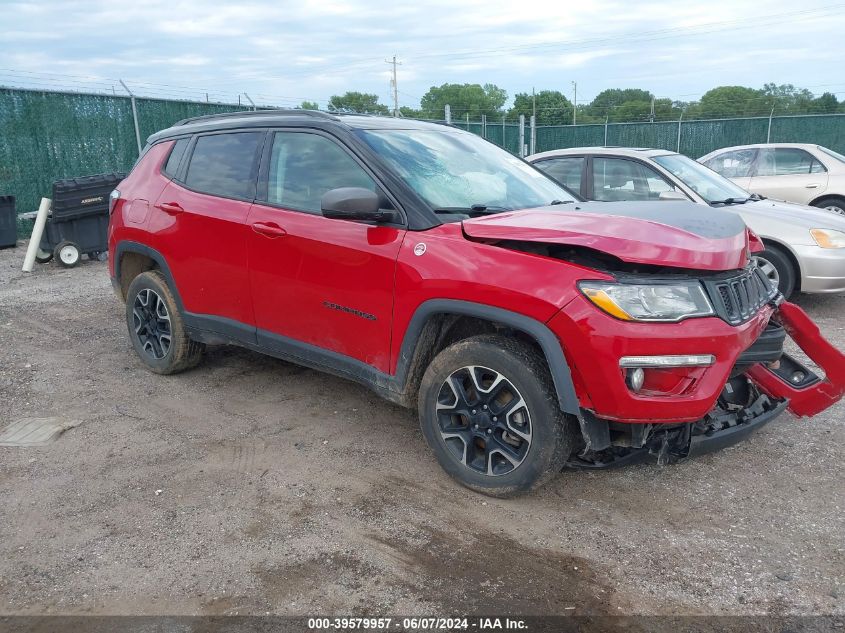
point(814, 185)
point(170, 207)
point(269, 229)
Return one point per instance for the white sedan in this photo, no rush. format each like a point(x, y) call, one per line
point(795, 172)
point(805, 247)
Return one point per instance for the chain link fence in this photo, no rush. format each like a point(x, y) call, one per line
point(693, 138)
point(45, 136)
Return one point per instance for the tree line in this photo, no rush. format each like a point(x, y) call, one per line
point(615, 105)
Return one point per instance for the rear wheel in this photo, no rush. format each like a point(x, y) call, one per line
point(778, 268)
point(488, 410)
point(833, 203)
point(156, 328)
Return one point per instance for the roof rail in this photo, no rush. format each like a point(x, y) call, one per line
point(273, 112)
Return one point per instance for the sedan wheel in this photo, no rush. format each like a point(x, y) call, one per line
point(768, 269)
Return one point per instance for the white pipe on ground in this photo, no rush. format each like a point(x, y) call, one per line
point(37, 231)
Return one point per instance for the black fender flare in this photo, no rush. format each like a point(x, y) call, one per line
point(546, 339)
point(128, 246)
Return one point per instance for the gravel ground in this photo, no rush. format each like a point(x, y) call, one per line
point(286, 491)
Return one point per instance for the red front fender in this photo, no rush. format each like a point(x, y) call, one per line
point(820, 395)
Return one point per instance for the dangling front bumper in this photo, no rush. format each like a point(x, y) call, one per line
point(771, 387)
point(807, 393)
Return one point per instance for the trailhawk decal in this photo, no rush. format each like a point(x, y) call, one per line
point(340, 308)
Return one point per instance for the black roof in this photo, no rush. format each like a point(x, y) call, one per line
point(289, 117)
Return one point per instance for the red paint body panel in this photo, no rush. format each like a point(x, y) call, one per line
point(630, 239)
point(816, 398)
point(456, 268)
point(320, 261)
point(353, 288)
point(144, 182)
point(206, 246)
point(594, 342)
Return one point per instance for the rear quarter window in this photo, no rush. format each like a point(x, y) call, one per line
point(176, 154)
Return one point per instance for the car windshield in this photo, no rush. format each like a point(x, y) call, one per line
point(458, 172)
point(831, 153)
point(705, 182)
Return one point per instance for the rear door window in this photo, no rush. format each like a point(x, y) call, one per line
point(566, 170)
point(734, 164)
point(224, 164)
point(787, 161)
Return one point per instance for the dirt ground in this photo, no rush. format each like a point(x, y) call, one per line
point(286, 491)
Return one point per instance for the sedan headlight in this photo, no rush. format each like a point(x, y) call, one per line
point(828, 238)
point(649, 302)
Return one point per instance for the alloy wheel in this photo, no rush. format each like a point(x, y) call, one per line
point(152, 323)
point(835, 208)
point(483, 420)
point(768, 269)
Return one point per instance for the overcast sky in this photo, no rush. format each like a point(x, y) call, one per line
point(283, 52)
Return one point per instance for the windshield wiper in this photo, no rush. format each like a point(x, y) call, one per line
point(756, 196)
point(476, 209)
point(727, 201)
point(554, 202)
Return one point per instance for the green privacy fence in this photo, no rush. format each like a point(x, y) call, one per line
point(45, 136)
point(696, 137)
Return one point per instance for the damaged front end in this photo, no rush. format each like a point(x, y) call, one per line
point(765, 382)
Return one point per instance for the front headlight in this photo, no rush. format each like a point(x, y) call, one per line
point(649, 302)
point(828, 238)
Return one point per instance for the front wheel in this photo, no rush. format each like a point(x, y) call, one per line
point(489, 412)
point(778, 268)
point(834, 203)
point(156, 328)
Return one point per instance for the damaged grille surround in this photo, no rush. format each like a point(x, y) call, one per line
point(738, 298)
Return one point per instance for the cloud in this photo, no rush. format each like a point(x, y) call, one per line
point(315, 48)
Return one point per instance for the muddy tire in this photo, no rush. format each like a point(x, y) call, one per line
point(489, 412)
point(156, 328)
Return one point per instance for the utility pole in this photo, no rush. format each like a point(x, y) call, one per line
point(394, 85)
point(651, 114)
point(448, 113)
point(574, 101)
point(250, 102)
point(533, 103)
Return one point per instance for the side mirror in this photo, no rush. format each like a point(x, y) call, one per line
point(671, 195)
point(354, 203)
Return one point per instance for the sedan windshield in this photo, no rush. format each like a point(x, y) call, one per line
point(705, 182)
point(457, 172)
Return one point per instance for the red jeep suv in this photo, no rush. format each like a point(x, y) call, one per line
point(531, 330)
